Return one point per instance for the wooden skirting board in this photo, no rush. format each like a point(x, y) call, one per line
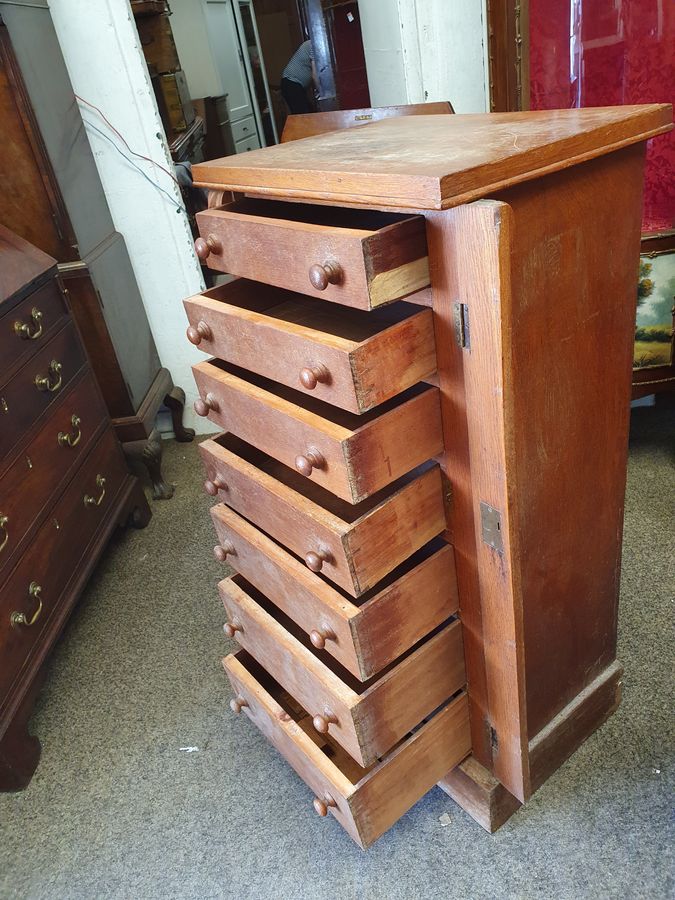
point(487, 801)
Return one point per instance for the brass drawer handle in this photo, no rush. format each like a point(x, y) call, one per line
point(4, 521)
point(52, 380)
point(19, 618)
point(96, 501)
point(310, 376)
point(30, 331)
point(71, 439)
point(321, 276)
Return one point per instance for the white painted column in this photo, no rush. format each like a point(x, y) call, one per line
point(424, 50)
point(105, 62)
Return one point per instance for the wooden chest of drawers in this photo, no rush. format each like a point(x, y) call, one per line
point(423, 380)
point(64, 485)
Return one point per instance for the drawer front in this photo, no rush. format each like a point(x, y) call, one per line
point(247, 143)
point(368, 802)
point(363, 637)
point(53, 556)
point(346, 357)
point(366, 719)
point(353, 546)
point(354, 257)
point(244, 129)
point(38, 470)
point(37, 384)
point(352, 456)
point(29, 325)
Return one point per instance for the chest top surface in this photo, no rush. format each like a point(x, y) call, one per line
point(433, 162)
point(21, 266)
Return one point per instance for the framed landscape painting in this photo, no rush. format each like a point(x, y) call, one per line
point(655, 304)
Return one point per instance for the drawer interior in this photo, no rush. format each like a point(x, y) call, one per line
point(353, 326)
point(338, 756)
point(342, 509)
point(358, 687)
point(342, 417)
point(366, 220)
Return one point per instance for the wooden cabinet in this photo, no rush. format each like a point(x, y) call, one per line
point(64, 484)
point(444, 590)
point(54, 199)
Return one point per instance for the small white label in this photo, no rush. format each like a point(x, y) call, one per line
point(350, 17)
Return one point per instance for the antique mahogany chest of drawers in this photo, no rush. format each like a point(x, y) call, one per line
point(64, 485)
point(422, 374)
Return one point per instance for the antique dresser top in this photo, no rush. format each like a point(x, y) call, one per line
point(433, 162)
point(22, 266)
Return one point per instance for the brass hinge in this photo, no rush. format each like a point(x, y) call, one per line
point(491, 526)
point(462, 333)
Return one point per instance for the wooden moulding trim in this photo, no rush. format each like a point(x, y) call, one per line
point(556, 742)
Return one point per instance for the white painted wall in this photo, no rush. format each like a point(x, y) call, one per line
point(101, 50)
point(424, 50)
point(188, 23)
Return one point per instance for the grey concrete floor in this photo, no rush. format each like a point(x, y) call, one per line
point(119, 808)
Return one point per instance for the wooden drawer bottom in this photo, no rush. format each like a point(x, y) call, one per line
point(366, 802)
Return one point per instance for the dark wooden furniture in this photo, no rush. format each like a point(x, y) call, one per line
point(53, 198)
point(64, 485)
point(304, 125)
point(423, 500)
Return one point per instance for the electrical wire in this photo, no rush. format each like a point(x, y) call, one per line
point(123, 139)
point(138, 168)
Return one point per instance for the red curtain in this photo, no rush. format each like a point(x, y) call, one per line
point(608, 53)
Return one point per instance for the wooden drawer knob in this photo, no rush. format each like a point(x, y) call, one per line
point(310, 460)
point(204, 248)
point(237, 704)
point(204, 406)
point(319, 636)
point(321, 723)
point(200, 333)
point(313, 375)
point(231, 628)
point(221, 551)
point(316, 558)
point(321, 276)
point(212, 487)
point(322, 805)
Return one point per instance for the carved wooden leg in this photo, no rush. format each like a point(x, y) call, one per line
point(175, 400)
point(136, 512)
point(19, 752)
point(149, 452)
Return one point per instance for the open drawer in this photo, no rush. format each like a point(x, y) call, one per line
point(354, 545)
point(366, 802)
point(352, 456)
point(347, 357)
point(366, 718)
point(355, 257)
point(363, 635)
